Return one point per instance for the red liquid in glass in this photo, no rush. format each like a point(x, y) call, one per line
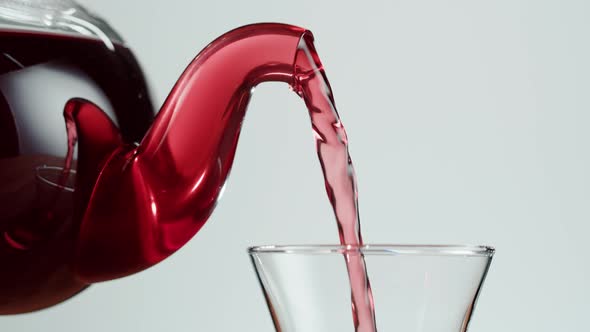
point(38, 74)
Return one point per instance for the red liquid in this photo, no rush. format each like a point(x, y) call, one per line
point(150, 200)
point(339, 178)
point(38, 74)
point(136, 205)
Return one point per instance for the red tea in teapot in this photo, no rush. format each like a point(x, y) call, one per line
point(133, 205)
point(39, 73)
point(148, 200)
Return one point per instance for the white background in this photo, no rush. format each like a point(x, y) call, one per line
point(468, 123)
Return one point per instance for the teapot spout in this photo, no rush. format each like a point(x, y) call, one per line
point(149, 200)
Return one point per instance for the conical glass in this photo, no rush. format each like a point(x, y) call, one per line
point(422, 288)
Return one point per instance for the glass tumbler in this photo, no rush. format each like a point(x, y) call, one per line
point(422, 288)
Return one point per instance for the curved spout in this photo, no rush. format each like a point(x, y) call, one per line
point(149, 200)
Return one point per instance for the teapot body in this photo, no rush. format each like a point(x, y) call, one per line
point(139, 187)
point(42, 66)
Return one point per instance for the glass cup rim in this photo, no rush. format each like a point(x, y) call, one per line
point(377, 249)
point(48, 182)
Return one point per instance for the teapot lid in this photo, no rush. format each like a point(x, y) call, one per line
point(55, 16)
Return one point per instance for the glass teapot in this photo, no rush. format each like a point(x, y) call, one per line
point(94, 187)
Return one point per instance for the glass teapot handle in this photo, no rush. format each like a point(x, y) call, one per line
point(55, 16)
